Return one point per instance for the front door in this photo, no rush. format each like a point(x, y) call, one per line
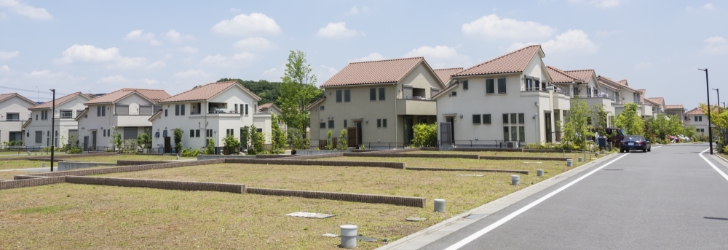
point(548, 127)
point(353, 135)
point(359, 133)
point(408, 131)
point(167, 145)
point(85, 143)
point(451, 120)
point(93, 140)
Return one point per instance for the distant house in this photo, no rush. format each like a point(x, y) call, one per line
point(263, 120)
point(658, 105)
point(378, 102)
point(38, 127)
point(125, 111)
point(676, 110)
point(13, 113)
point(624, 94)
point(697, 118)
point(583, 85)
point(211, 111)
point(507, 101)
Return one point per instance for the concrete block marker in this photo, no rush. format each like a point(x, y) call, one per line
point(581, 159)
point(539, 172)
point(348, 236)
point(515, 179)
point(416, 219)
point(440, 205)
point(310, 215)
point(569, 162)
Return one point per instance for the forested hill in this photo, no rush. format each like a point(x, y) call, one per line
point(267, 90)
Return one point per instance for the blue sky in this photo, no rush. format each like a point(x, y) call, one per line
point(101, 46)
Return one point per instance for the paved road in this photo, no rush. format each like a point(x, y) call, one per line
point(669, 198)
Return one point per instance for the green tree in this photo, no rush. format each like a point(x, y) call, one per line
point(178, 140)
point(298, 91)
point(329, 144)
point(278, 137)
point(145, 140)
point(342, 140)
point(210, 148)
point(256, 141)
point(628, 120)
point(231, 144)
point(245, 137)
point(116, 139)
point(599, 118)
point(576, 127)
point(425, 135)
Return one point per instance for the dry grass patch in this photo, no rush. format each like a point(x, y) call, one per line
point(15, 164)
point(530, 165)
point(574, 155)
point(68, 216)
point(10, 175)
point(128, 157)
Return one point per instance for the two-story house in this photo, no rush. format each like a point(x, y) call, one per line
point(38, 127)
point(623, 95)
point(263, 120)
point(697, 118)
point(13, 113)
point(507, 101)
point(676, 110)
point(658, 105)
point(378, 102)
point(583, 86)
point(125, 111)
point(210, 111)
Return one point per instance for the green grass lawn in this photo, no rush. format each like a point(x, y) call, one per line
point(574, 155)
point(114, 158)
point(13, 164)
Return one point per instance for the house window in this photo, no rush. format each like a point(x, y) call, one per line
point(522, 133)
point(176, 110)
point(345, 123)
point(529, 84)
point(505, 118)
point(489, 86)
point(182, 109)
point(230, 132)
point(236, 108)
point(486, 118)
point(12, 116)
point(338, 95)
point(698, 118)
point(513, 118)
point(454, 93)
point(322, 125)
point(506, 135)
point(381, 94)
point(476, 119)
point(465, 84)
point(209, 133)
point(66, 114)
point(514, 133)
point(521, 118)
point(501, 85)
point(246, 109)
point(331, 123)
point(192, 133)
point(379, 123)
point(98, 111)
point(165, 112)
point(384, 123)
point(36, 117)
point(588, 91)
point(38, 136)
point(321, 108)
point(373, 94)
point(197, 133)
point(103, 110)
point(347, 95)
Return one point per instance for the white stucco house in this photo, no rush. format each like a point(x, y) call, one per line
point(126, 111)
point(697, 118)
point(38, 127)
point(210, 111)
point(13, 113)
point(263, 120)
point(625, 94)
point(583, 85)
point(505, 102)
point(677, 110)
point(658, 105)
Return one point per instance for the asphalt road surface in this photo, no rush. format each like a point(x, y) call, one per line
point(670, 198)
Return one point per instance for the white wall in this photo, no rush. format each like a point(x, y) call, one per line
point(13, 105)
point(62, 125)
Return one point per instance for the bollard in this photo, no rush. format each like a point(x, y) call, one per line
point(348, 236)
point(515, 179)
point(44, 164)
point(581, 159)
point(569, 162)
point(539, 172)
point(440, 205)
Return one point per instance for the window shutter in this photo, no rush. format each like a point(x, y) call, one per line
point(372, 94)
point(347, 95)
point(381, 94)
point(246, 109)
point(103, 110)
point(182, 108)
point(98, 110)
point(384, 123)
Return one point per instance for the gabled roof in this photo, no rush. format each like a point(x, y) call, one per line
point(513, 62)
point(624, 82)
point(616, 85)
point(442, 92)
point(153, 95)
point(78, 117)
point(658, 100)
point(155, 115)
point(267, 106)
point(584, 75)
point(559, 76)
point(27, 122)
point(207, 91)
point(317, 102)
point(61, 100)
point(444, 74)
point(695, 111)
point(8, 96)
point(377, 72)
point(675, 106)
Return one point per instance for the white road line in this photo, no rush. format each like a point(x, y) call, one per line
point(711, 164)
point(502, 221)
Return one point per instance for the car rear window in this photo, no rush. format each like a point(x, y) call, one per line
point(634, 138)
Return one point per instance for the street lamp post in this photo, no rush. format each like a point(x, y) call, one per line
point(53, 127)
point(707, 91)
point(718, 93)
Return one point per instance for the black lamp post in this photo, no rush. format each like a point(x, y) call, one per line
point(717, 92)
point(707, 91)
point(53, 127)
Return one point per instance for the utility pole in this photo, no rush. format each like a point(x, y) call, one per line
point(53, 127)
point(707, 91)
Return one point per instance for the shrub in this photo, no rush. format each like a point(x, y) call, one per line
point(177, 139)
point(75, 150)
point(329, 144)
point(256, 141)
point(210, 149)
point(189, 152)
point(425, 135)
point(278, 137)
point(342, 140)
point(231, 144)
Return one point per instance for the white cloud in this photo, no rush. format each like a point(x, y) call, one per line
point(354, 10)
point(371, 57)
point(716, 46)
point(114, 79)
point(337, 30)
point(270, 71)
point(605, 4)
point(190, 73)
point(253, 43)
point(327, 73)
point(53, 77)
point(174, 36)
point(5, 68)
point(437, 52)
point(189, 49)
point(643, 66)
point(492, 26)
point(89, 54)
point(26, 10)
point(255, 23)
point(140, 36)
point(708, 6)
point(571, 41)
point(239, 59)
point(7, 55)
point(149, 81)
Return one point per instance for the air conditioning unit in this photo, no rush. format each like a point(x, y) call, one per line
point(512, 144)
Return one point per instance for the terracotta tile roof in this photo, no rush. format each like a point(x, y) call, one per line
point(442, 92)
point(513, 62)
point(623, 82)
point(4, 97)
point(153, 95)
point(647, 100)
point(658, 100)
point(616, 85)
point(61, 100)
point(207, 91)
point(584, 75)
point(695, 111)
point(374, 72)
point(559, 76)
point(444, 74)
point(267, 106)
point(676, 106)
point(317, 102)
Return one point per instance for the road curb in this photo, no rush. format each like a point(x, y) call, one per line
point(435, 232)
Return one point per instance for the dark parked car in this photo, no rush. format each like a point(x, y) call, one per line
point(634, 142)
